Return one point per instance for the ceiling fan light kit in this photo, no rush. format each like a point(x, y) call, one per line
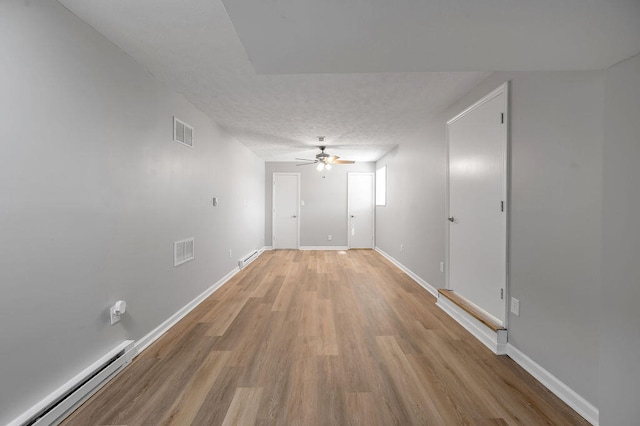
point(323, 160)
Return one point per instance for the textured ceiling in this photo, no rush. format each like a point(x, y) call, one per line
point(194, 47)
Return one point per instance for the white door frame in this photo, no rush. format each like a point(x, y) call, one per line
point(503, 88)
point(273, 207)
point(373, 208)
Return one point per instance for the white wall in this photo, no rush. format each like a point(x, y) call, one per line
point(325, 201)
point(556, 193)
point(94, 192)
point(620, 304)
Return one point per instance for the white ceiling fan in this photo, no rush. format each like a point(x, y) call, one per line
point(323, 160)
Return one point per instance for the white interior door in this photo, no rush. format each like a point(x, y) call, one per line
point(286, 211)
point(361, 208)
point(477, 203)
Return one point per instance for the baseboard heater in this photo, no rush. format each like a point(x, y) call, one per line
point(54, 408)
point(247, 259)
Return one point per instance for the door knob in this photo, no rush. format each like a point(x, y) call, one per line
point(294, 216)
point(352, 216)
point(451, 219)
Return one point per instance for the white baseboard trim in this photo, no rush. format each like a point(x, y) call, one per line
point(132, 350)
point(496, 342)
point(157, 332)
point(551, 382)
point(431, 289)
point(324, 248)
point(499, 346)
point(56, 406)
point(265, 248)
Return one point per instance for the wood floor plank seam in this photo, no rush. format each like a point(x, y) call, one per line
point(321, 338)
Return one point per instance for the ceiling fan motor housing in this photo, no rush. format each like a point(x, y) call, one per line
point(322, 156)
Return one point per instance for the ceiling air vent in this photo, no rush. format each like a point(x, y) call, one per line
point(182, 132)
point(183, 251)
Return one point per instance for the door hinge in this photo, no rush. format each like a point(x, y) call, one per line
point(501, 206)
point(502, 293)
point(502, 118)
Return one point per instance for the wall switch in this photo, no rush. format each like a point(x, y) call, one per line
point(302, 203)
point(441, 266)
point(401, 248)
point(230, 254)
point(329, 237)
point(515, 306)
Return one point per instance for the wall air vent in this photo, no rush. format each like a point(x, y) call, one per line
point(182, 132)
point(183, 251)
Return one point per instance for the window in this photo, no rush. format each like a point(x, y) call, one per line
point(381, 186)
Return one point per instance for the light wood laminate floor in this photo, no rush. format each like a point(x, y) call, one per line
point(321, 338)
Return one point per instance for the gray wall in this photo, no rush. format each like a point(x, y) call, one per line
point(620, 304)
point(556, 195)
point(414, 214)
point(94, 192)
point(325, 201)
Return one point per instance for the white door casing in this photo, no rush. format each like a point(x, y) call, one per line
point(477, 203)
point(361, 209)
point(286, 211)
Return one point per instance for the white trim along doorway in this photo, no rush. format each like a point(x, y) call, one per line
point(477, 207)
point(361, 210)
point(285, 212)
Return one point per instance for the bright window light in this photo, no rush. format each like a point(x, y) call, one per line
point(381, 186)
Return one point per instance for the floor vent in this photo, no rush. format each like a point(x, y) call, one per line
point(247, 259)
point(182, 132)
point(53, 409)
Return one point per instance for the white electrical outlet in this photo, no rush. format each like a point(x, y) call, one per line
point(441, 266)
point(230, 254)
point(515, 306)
point(329, 237)
point(117, 310)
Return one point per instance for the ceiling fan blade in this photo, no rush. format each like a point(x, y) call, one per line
point(307, 159)
point(305, 164)
point(343, 162)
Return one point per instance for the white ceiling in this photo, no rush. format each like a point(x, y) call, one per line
point(329, 68)
point(288, 36)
